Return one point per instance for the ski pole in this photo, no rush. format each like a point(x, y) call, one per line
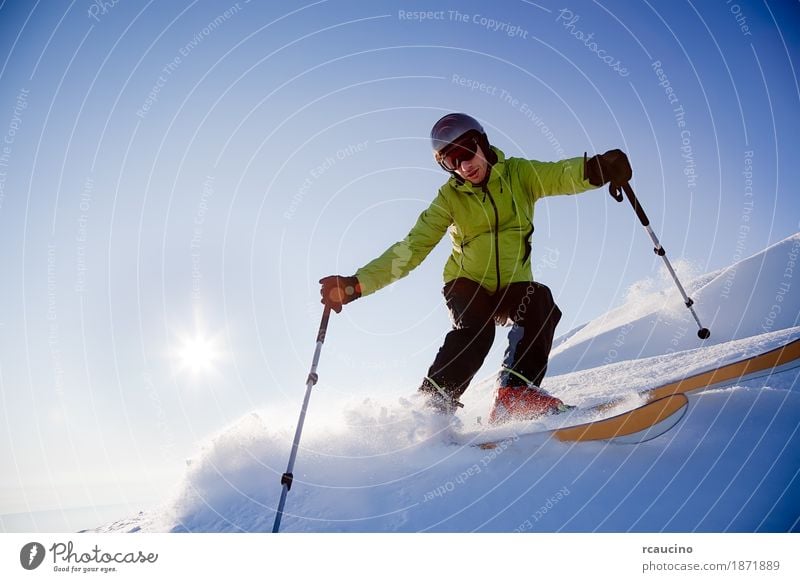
point(287, 477)
point(703, 332)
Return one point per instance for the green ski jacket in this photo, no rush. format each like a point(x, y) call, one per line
point(490, 227)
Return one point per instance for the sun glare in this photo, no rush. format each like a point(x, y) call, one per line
point(198, 354)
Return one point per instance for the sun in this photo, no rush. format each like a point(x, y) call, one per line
point(198, 354)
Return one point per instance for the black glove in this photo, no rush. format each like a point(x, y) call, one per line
point(612, 167)
point(337, 291)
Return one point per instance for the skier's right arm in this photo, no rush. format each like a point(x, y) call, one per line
point(403, 256)
point(396, 262)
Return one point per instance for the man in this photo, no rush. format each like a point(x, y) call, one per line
point(487, 207)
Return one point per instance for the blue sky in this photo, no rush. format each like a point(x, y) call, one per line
point(182, 174)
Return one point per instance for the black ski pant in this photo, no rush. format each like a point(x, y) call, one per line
point(475, 312)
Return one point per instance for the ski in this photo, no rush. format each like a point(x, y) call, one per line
point(665, 404)
point(776, 360)
point(638, 425)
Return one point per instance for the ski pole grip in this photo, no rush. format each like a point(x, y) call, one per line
point(323, 324)
point(635, 203)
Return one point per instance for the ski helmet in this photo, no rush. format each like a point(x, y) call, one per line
point(451, 127)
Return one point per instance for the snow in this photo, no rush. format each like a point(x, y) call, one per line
point(747, 299)
point(390, 465)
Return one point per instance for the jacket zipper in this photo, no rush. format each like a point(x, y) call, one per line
point(496, 236)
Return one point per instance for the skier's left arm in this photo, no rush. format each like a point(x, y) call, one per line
point(574, 175)
point(612, 168)
point(553, 178)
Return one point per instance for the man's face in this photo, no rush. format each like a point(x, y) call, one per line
point(474, 170)
point(467, 160)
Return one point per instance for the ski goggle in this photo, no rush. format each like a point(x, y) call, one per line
point(460, 151)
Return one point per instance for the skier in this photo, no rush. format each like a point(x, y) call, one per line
point(487, 206)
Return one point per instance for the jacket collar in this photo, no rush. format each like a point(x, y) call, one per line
point(497, 171)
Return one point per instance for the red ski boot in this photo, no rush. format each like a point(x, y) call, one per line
point(523, 403)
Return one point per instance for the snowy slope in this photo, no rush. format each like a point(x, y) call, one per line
point(751, 297)
point(389, 465)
